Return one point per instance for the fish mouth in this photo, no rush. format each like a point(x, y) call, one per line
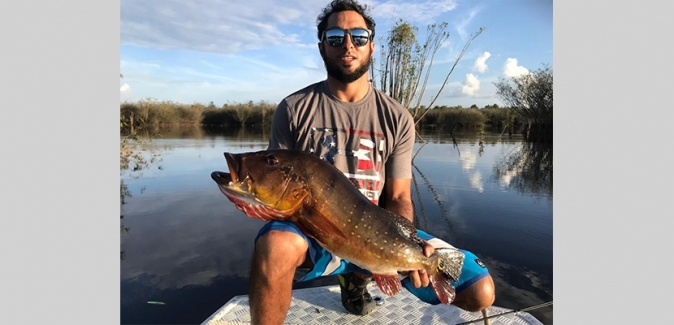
point(221, 178)
point(237, 188)
point(232, 184)
point(226, 178)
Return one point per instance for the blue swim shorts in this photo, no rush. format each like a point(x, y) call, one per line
point(326, 264)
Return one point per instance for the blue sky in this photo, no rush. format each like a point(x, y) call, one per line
point(228, 51)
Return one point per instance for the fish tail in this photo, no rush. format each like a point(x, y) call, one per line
point(450, 262)
point(447, 268)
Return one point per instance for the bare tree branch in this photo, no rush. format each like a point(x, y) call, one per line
point(465, 48)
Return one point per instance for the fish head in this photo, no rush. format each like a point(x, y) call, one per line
point(267, 185)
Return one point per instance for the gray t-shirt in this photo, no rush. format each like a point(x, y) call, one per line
point(368, 140)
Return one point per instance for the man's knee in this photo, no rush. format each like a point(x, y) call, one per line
point(281, 248)
point(478, 296)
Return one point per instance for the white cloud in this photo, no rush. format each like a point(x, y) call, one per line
point(125, 87)
point(425, 12)
point(461, 26)
point(470, 85)
point(511, 69)
point(219, 26)
point(480, 63)
point(228, 26)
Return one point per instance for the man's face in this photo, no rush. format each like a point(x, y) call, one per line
point(346, 62)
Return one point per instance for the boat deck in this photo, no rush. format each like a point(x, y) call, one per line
point(322, 306)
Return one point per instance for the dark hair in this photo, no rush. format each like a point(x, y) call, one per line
point(339, 6)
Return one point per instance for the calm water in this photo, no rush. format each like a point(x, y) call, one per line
point(184, 244)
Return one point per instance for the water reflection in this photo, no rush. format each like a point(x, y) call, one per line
point(512, 235)
point(239, 134)
point(528, 169)
point(135, 157)
point(185, 244)
point(420, 218)
point(468, 136)
point(168, 132)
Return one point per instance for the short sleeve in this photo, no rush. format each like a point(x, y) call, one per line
point(399, 162)
point(281, 134)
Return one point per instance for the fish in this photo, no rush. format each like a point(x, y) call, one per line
point(313, 194)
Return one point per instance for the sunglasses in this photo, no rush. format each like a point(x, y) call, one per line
point(337, 36)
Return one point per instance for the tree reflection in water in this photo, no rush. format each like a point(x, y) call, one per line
point(528, 169)
point(134, 158)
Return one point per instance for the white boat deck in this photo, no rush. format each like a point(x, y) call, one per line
point(322, 305)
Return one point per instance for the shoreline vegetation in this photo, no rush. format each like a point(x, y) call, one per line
point(152, 114)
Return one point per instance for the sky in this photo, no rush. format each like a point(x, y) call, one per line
point(227, 51)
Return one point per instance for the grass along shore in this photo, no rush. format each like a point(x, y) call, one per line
point(149, 113)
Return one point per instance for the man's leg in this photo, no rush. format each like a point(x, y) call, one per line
point(475, 287)
point(477, 296)
point(277, 255)
point(355, 297)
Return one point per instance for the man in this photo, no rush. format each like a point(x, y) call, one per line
point(369, 137)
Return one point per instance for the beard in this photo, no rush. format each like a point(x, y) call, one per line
point(341, 74)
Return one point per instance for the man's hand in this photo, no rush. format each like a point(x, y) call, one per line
point(419, 278)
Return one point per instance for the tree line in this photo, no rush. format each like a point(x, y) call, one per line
point(154, 113)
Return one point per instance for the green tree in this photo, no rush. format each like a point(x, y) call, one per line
point(530, 96)
point(399, 66)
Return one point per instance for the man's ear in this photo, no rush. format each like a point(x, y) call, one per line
point(321, 49)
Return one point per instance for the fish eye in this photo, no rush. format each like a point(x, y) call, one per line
point(271, 160)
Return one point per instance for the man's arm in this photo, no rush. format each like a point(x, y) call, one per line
point(398, 198)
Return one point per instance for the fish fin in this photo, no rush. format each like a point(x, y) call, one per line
point(306, 231)
point(450, 262)
point(388, 284)
point(443, 289)
point(319, 221)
